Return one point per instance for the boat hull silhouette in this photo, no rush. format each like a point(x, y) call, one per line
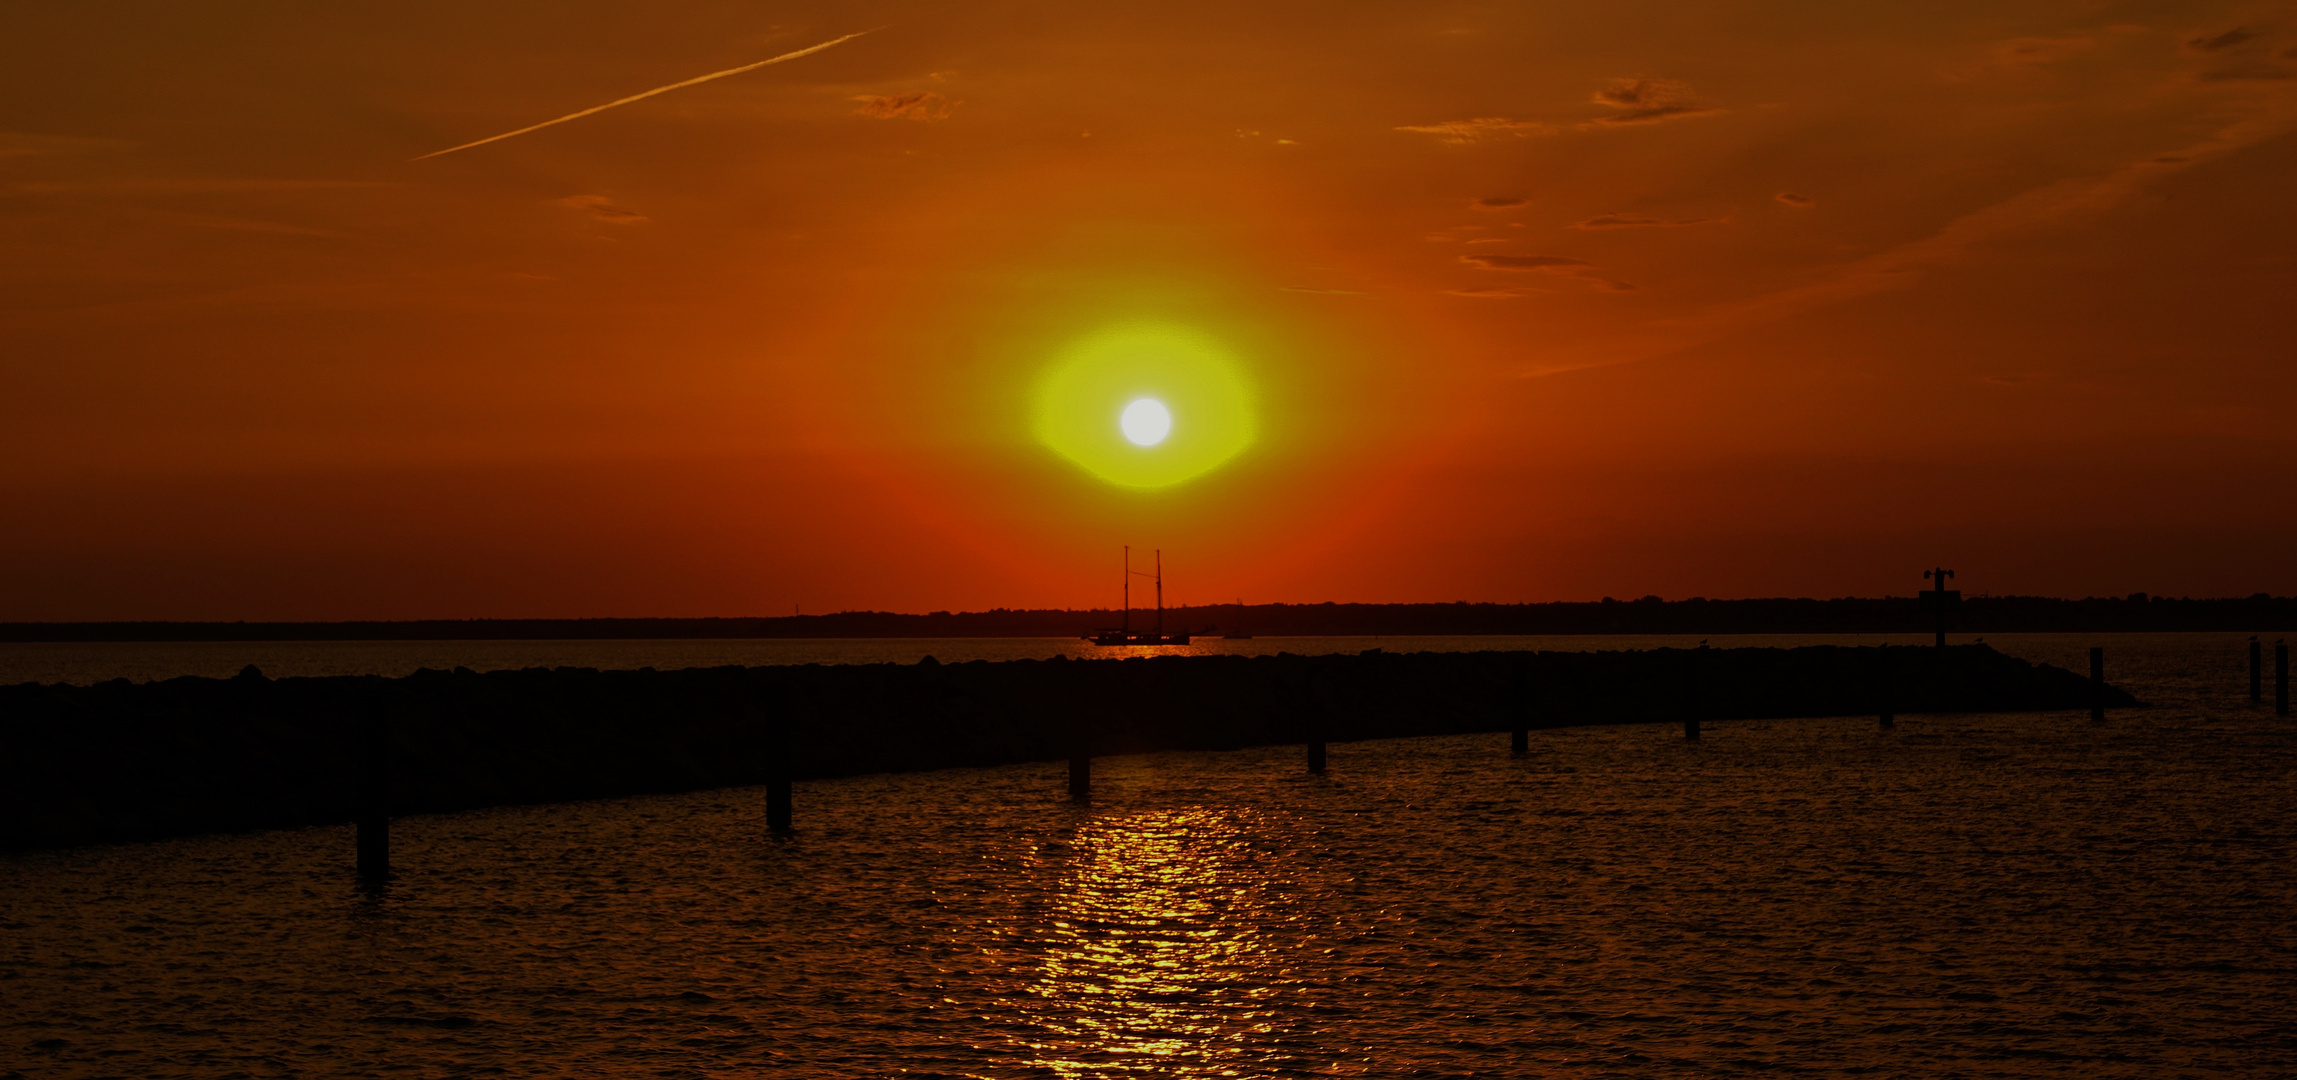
point(1120, 637)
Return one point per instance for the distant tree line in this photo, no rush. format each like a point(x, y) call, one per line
point(2260, 613)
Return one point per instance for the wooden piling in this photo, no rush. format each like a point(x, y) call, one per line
point(1885, 687)
point(1691, 703)
point(778, 771)
point(2097, 684)
point(1080, 775)
point(2280, 678)
point(373, 740)
point(1323, 704)
point(2256, 672)
point(1519, 736)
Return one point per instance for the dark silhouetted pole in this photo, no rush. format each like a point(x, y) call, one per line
point(1323, 701)
point(374, 743)
point(2280, 678)
point(1691, 703)
point(2256, 672)
point(1940, 599)
point(778, 772)
point(1885, 688)
point(1081, 700)
point(2097, 684)
point(1519, 736)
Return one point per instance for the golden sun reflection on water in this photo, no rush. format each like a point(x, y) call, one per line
point(1157, 951)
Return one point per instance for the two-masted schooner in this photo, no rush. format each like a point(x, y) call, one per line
point(1124, 635)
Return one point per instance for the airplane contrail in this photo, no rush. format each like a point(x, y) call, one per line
point(647, 94)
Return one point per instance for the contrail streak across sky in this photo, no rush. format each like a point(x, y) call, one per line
point(647, 94)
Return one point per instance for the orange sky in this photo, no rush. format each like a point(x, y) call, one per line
point(1542, 302)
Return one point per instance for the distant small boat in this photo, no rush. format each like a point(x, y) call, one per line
point(1124, 635)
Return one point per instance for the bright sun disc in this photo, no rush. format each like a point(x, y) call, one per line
point(1143, 375)
point(1146, 422)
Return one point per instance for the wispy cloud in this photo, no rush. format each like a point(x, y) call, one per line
point(2220, 42)
point(924, 106)
point(1498, 202)
point(603, 209)
point(1460, 132)
point(697, 80)
point(1579, 270)
point(1648, 101)
point(1791, 199)
point(1901, 266)
point(2038, 51)
point(1639, 221)
point(1524, 262)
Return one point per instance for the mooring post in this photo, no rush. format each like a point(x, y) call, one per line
point(373, 742)
point(1940, 599)
point(1885, 687)
point(1691, 703)
point(1322, 701)
point(1519, 736)
point(2256, 672)
point(2280, 678)
point(1078, 701)
point(2097, 684)
point(778, 767)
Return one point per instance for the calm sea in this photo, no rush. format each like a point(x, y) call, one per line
point(85, 663)
point(1976, 895)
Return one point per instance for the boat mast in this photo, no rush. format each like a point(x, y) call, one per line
point(1128, 619)
point(1160, 592)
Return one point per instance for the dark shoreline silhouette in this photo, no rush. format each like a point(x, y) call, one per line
point(1977, 615)
point(122, 761)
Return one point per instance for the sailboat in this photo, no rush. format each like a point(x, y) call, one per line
point(1124, 635)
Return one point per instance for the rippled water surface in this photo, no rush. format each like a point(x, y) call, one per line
point(83, 663)
point(1999, 895)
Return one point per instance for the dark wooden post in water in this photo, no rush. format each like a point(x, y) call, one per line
point(1078, 701)
point(1940, 599)
point(2097, 684)
point(1519, 735)
point(372, 741)
point(2280, 678)
point(778, 770)
point(1886, 688)
point(1322, 701)
point(2256, 672)
point(1691, 702)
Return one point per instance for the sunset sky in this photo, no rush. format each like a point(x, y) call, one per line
point(1504, 302)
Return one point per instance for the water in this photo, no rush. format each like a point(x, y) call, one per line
point(84, 663)
point(1993, 895)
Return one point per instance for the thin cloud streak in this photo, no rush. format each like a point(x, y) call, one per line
point(1903, 265)
point(641, 97)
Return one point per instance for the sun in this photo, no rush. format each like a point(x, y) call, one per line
point(1182, 405)
point(1146, 422)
